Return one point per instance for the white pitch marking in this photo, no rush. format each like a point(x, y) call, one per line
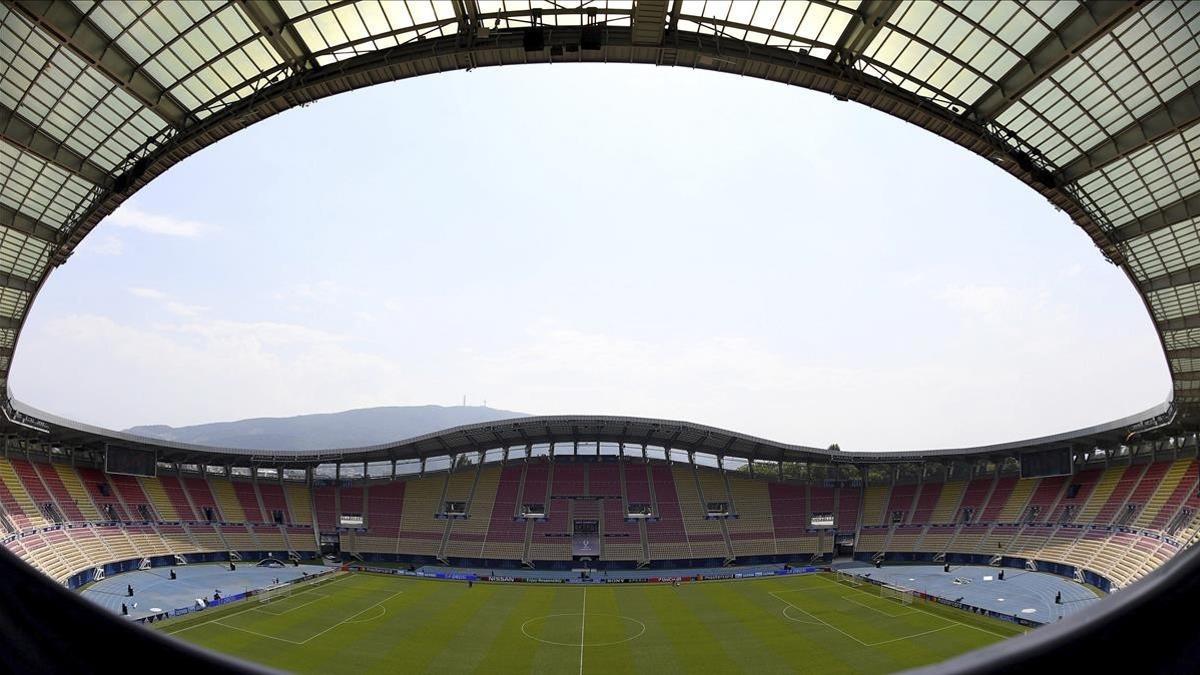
point(909, 637)
point(873, 609)
point(823, 622)
point(582, 627)
point(347, 619)
point(249, 609)
point(292, 609)
point(915, 609)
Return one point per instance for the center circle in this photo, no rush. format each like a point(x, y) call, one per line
point(569, 629)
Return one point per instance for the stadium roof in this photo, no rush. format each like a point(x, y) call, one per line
point(1094, 105)
point(582, 431)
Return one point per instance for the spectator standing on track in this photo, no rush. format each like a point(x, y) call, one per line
point(124, 610)
point(129, 590)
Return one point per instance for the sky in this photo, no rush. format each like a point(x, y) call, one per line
point(596, 239)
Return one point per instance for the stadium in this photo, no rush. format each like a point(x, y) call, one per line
point(589, 543)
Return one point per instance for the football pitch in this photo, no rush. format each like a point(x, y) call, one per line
point(361, 622)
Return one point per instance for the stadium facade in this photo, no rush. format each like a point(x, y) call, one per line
point(632, 492)
point(1093, 105)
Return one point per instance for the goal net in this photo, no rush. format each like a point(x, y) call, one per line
point(898, 593)
point(275, 592)
point(847, 578)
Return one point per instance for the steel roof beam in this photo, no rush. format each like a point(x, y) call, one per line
point(869, 19)
point(676, 10)
point(30, 227)
point(1170, 118)
point(24, 134)
point(70, 27)
point(649, 21)
point(1184, 353)
point(1179, 323)
point(1187, 275)
point(1171, 214)
point(16, 282)
point(1079, 30)
point(274, 25)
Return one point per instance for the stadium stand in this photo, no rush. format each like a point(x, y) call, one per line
point(273, 502)
point(300, 506)
point(875, 500)
point(505, 537)
point(899, 504)
point(247, 499)
point(947, 504)
point(66, 520)
point(922, 512)
point(970, 508)
point(467, 535)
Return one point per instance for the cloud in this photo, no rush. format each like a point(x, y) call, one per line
point(321, 292)
point(261, 332)
point(184, 310)
point(168, 303)
point(995, 304)
point(148, 293)
point(130, 216)
point(105, 245)
point(218, 369)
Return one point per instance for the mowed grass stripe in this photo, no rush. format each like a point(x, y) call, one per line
point(493, 610)
point(772, 639)
point(719, 627)
point(368, 643)
point(694, 646)
point(511, 650)
point(606, 625)
point(565, 610)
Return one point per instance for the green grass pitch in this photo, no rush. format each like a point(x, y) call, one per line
point(380, 623)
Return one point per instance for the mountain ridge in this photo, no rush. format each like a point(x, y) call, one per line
point(358, 427)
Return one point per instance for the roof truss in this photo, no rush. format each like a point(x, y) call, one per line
point(64, 22)
point(869, 19)
point(273, 23)
point(19, 132)
point(1176, 212)
point(1079, 30)
point(1175, 115)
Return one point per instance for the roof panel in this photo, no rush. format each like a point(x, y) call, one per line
point(1111, 83)
point(37, 188)
point(207, 55)
point(1147, 180)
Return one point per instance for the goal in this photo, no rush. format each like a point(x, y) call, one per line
point(898, 593)
point(275, 592)
point(847, 578)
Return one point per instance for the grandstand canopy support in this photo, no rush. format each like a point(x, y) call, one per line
point(23, 134)
point(30, 227)
point(649, 20)
point(1171, 214)
point(1088, 22)
point(74, 30)
point(273, 24)
point(870, 17)
point(1171, 117)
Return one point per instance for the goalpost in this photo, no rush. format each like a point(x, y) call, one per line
point(847, 578)
point(274, 592)
point(305, 583)
point(898, 593)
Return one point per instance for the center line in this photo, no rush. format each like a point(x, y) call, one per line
point(582, 626)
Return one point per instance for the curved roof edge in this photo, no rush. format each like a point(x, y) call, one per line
point(53, 429)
